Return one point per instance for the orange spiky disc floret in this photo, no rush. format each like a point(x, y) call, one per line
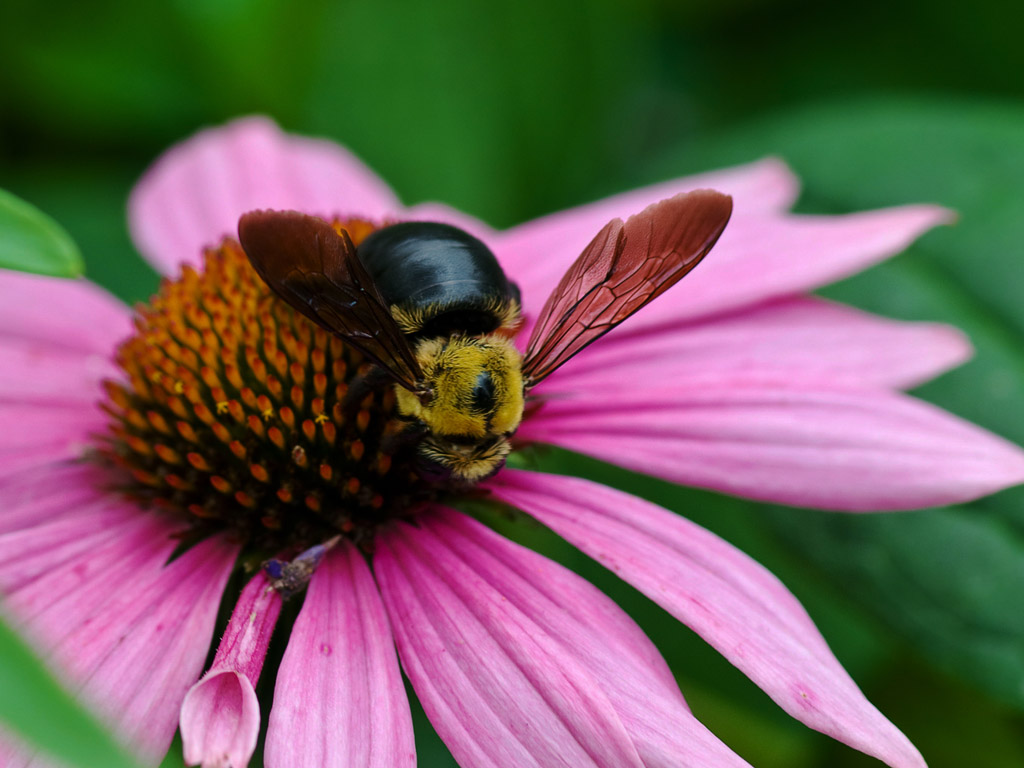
point(240, 413)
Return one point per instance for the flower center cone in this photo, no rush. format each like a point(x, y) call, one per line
point(237, 412)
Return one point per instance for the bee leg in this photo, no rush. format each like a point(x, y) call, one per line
point(289, 577)
point(413, 431)
point(362, 385)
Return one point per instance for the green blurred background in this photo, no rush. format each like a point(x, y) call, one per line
point(509, 113)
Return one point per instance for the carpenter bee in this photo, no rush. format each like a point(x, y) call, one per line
point(430, 305)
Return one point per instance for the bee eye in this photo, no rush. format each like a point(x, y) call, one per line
point(483, 393)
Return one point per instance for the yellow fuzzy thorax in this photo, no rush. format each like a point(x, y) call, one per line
point(450, 369)
point(412, 317)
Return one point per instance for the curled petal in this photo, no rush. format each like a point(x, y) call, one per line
point(339, 699)
point(499, 689)
point(787, 339)
point(720, 593)
point(220, 717)
point(220, 721)
point(193, 195)
point(799, 443)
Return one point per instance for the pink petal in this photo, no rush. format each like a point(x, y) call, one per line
point(69, 596)
point(31, 552)
point(32, 461)
point(244, 645)
point(68, 314)
point(798, 443)
point(66, 429)
point(220, 717)
point(497, 687)
point(39, 496)
point(132, 634)
point(193, 195)
point(763, 257)
point(33, 371)
point(43, 437)
point(151, 663)
point(727, 598)
point(13, 754)
point(590, 627)
point(220, 721)
point(760, 258)
point(538, 252)
point(790, 338)
point(339, 699)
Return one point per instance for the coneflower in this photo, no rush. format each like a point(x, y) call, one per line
point(149, 453)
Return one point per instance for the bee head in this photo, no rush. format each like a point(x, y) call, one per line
point(476, 403)
point(441, 460)
point(476, 385)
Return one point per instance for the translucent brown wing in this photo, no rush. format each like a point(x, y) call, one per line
point(316, 270)
point(624, 268)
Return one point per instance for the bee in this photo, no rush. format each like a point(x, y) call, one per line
point(431, 306)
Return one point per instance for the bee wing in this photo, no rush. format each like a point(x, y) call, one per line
point(623, 269)
point(316, 270)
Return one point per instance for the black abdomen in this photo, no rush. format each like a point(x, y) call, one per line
point(441, 278)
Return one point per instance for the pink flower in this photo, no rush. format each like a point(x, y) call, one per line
point(736, 382)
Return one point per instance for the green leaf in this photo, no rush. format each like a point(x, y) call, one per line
point(30, 241)
point(924, 705)
point(948, 581)
point(90, 202)
point(35, 707)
